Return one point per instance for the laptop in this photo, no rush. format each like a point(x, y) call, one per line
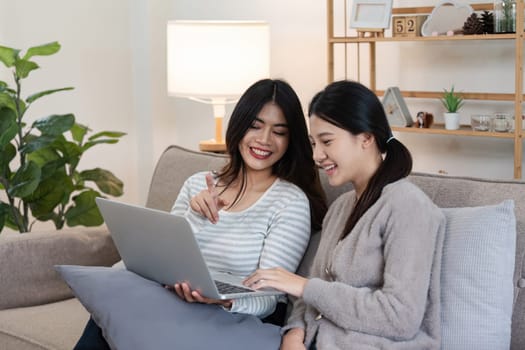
point(160, 246)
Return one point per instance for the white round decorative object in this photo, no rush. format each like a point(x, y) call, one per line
point(448, 15)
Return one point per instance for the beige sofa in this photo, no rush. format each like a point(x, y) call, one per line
point(37, 310)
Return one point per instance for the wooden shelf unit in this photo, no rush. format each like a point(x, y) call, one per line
point(517, 97)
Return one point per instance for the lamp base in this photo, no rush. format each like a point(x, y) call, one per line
point(212, 146)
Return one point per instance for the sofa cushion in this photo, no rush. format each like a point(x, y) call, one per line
point(175, 165)
point(30, 279)
point(136, 313)
point(53, 326)
point(457, 191)
point(518, 316)
point(476, 277)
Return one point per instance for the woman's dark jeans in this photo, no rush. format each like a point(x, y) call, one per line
point(92, 338)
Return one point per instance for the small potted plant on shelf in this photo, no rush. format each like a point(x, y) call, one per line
point(452, 102)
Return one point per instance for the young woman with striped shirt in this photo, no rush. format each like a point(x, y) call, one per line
point(259, 209)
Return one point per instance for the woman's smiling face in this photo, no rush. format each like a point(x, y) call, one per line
point(266, 141)
point(337, 151)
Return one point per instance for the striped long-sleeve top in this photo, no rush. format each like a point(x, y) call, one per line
point(274, 231)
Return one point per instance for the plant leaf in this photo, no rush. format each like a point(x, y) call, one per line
point(88, 145)
point(49, 194)
point(71, 152)
point(42, 50)
point(50, 168)
point(9, 219)
point(7, 101)
point(105, 181)
point(4, 212)
point(78, 131)
point(55, 124)
point(451, 101)
point(7, 154)
point(34, 143)
point(8, 126)
point(43, 156)
point(34, 97)
point(24, 67)
point(85, 211)
point(8, 56)
point(6, 216)
point(112, 134)
point(96, 138)
point(25, 180)
point(4, 87)
point(48, 160)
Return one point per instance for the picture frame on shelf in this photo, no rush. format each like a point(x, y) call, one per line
point(370, 14)
point(396, 109)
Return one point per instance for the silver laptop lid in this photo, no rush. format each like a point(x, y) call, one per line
point(162, 247)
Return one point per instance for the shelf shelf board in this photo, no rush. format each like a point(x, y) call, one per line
point(355, 39)
point(464, 130)
point(485, 6)
point(484, 96)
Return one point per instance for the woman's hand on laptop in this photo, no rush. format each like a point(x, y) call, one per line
point(277, 278)
point(184, 292)
point(207, 202)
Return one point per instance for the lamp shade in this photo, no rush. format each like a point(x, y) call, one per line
point(216, 59)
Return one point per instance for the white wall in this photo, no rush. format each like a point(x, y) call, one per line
point(95, 59)
point(114, 54)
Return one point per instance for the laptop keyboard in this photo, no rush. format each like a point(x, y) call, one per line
point(226, 288)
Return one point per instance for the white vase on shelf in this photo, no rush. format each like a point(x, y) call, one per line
point(451, 121)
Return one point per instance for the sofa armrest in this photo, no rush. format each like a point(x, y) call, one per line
point(27, 274)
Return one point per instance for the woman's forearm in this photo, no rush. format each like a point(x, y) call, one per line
point(293, 340)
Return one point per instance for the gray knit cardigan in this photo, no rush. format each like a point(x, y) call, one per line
point(379, 288)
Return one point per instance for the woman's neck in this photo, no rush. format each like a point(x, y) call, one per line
point(256, 183)
point(259, 181)
point(368, 171)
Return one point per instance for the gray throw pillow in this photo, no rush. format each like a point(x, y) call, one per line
point(136, 313)
point(477, 277)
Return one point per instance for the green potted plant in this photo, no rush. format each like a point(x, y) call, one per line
point(39, 161)
point(452, 102)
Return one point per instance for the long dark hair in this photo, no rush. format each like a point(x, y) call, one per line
point(296, 165)
point(351, 106)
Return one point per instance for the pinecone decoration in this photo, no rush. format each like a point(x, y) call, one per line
point(487, 18)
point(473, 25)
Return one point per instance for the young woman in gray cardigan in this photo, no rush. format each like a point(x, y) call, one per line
point(374, 283)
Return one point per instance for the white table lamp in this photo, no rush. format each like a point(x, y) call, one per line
point(216, 61)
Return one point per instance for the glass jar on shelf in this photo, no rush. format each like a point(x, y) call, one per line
point(513, 123)
point(501, 122)
point(504, 16)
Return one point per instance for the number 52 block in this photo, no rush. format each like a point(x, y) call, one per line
point(407, 26)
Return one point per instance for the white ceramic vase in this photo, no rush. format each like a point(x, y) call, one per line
point(451, 121)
